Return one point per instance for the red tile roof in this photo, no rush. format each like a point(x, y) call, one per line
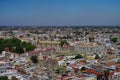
point(92, 71)
point(41, 50)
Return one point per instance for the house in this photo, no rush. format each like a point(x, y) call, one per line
point(116, 76)
point(2, 69)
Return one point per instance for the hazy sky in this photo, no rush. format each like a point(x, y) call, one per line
point(59, 12)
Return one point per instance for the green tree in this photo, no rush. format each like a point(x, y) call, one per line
point(14, 78)
point(34, 59)
point(24, 44)
point(106, 74)
point(1, 77)
point(83, 68)
point(16, 41)
point(29, 48)
point(78, 56)
point(114, 39)
point(1, 47)
point(86, 33)
point(61, 70)
point(91, 39)
point(19, 49)
point(63, 42)
point(1, 40)
point(15, 45)
point(4, 78)
point(97, 56)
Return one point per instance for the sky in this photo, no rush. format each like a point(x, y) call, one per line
point(59, 12)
